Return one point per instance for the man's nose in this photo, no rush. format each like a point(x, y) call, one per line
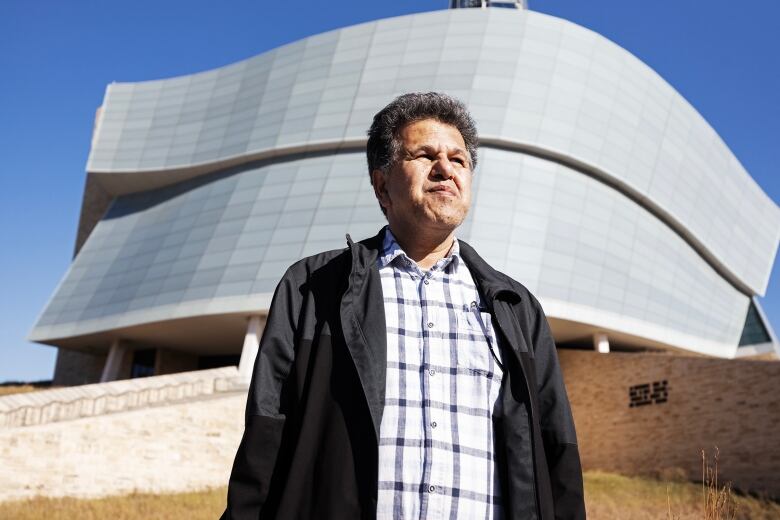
point(444, 168)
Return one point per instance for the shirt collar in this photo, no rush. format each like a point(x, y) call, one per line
point(391, 251)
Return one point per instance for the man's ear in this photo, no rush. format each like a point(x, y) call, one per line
point(379, 181)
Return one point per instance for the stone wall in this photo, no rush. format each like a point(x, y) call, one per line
point(76, 402)
point(180, 447)
point(646, 413)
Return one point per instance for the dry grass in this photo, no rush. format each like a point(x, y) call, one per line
point(16, 389)
point(608, 497)
point(719, 501)
point(205, 505)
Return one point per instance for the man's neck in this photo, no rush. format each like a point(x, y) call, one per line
point(424, 248)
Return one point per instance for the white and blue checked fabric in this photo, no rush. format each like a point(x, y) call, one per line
point(436, 456)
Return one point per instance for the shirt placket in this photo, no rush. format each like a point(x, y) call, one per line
point(434, 472)
point(432, 506)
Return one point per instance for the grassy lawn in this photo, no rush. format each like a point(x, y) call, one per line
point(608, 497)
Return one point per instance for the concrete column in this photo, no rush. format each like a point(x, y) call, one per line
point(601, 343)
point(254, 332)
point(116, 363)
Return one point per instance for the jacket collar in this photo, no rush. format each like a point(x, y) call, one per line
point(492, 283)
point(365, 253)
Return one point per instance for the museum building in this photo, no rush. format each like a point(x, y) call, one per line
point(599, 187)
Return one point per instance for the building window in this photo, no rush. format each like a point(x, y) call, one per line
point(459, 4)
point(206, 362)
point(465, 4)
point(755, 331)
point(143, 363)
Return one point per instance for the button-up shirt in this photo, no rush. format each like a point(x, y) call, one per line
point(436, 445)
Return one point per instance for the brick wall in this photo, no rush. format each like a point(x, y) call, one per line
point(646, 413)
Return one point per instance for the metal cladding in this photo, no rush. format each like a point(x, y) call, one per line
point(599, 187)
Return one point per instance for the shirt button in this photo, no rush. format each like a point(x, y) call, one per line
point(430, 324)
point(432, 372)
point(473, 304)
point(431, 489)
point(433, 424)
point(426, 281)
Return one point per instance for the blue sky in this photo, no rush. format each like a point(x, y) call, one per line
point(57, 57)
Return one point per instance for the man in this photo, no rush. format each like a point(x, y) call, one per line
point(403, 377)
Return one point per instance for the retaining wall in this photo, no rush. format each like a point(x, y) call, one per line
point(635, 414)
point(646, 413)
point(181, 447)
point(64, 404)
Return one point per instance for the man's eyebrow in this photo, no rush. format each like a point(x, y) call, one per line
point(429, 148)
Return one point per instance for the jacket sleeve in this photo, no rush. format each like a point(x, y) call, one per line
point(253, 468)
point(557, 425)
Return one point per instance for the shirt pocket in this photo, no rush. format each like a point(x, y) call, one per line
point(477, 352)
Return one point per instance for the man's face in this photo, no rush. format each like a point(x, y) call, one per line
point(428, 186)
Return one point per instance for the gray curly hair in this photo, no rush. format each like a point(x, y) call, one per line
point(384, 143)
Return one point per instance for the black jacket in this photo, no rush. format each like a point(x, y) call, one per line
point(310, 446)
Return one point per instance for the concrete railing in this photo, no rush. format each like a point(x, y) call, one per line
point(64, 404)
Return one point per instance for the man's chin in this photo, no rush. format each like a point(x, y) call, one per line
point(446, 221)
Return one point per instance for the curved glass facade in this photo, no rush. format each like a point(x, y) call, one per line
point(599, 186)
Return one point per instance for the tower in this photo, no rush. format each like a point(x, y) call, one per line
point(464, 4)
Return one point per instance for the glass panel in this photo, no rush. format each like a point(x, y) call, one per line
point(143, 363)
point(754, 331)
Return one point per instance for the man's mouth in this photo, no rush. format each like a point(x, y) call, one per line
point(444, 190)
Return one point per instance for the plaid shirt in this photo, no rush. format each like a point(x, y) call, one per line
point(436, 453)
